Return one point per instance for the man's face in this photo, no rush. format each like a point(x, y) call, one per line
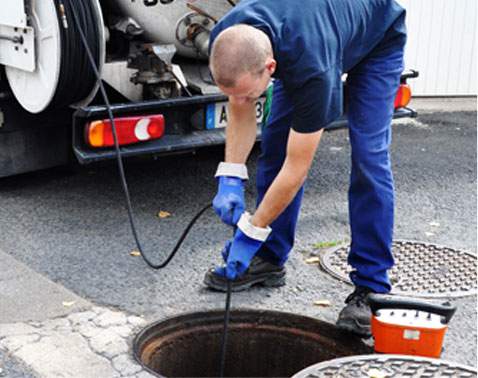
point(249, 87)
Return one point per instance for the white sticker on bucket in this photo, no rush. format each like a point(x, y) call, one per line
point(411, 334)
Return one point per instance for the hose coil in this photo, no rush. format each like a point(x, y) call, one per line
point(77, 78)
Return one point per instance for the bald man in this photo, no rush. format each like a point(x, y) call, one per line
point(306, 46)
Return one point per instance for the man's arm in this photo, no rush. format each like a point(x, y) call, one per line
point(301, 148)
point(241, 130)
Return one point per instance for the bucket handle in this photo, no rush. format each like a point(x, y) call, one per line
point(383, 301)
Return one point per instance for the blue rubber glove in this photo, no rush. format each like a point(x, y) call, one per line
point(229, 200)
point(239, 251)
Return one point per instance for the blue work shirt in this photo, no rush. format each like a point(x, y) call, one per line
point(315, 42)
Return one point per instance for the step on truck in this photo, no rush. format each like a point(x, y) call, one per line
point(152, 56)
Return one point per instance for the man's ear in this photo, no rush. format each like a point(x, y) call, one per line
point(271, 65)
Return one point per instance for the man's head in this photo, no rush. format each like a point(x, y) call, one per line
point(242, 62)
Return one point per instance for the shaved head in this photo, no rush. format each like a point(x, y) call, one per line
point(238, 50)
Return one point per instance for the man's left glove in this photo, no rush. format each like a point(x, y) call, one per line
point(239, 251)
point(229, 201)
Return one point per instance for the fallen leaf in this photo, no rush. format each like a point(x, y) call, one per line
point(434, 224)
point(163, 214)
point(312, 260)
point(375, 373)
point(135, 253)
point(322, 303)
point(68, 304)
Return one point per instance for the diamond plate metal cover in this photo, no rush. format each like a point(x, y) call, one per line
point(386, 366)
point(420, 270)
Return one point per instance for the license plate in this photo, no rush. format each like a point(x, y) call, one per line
point(216, 114)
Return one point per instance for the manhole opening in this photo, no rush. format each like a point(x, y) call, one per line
point(260, 344)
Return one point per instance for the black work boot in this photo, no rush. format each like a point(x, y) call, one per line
point(355, 316)
point(260, 272)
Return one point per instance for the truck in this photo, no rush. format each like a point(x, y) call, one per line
point(152, 57)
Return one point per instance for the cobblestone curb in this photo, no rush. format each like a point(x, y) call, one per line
point(93, 343)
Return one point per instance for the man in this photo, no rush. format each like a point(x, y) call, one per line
point(307, 46)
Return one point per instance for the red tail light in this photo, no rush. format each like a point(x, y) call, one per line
point(129, 130)
point(404, 95)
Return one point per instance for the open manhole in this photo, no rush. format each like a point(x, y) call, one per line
point(387, 366)
point(420, 270)
point(259, 344)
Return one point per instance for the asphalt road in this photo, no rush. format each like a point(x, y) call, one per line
point(72, 227)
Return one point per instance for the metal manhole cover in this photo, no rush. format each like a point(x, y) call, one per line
point(386, 366)
point(421, 269)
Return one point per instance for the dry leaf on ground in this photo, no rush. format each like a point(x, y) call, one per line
point(163, 214)
point(322, 303)
point(312, 260)
point(135, 253)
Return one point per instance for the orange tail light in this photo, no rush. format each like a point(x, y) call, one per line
point(404, 95)
point(128, 129)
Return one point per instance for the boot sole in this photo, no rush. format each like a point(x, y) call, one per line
point(352, 326)
point(269, 280)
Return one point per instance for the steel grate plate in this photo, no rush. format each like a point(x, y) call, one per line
point(421, 269)
point(386, 366)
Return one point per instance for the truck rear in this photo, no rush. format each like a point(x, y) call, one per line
point(152, 57)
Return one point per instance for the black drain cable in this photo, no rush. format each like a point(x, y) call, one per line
point(120, 162)
point(127, 195)
point(225, 330)
point(76, 77)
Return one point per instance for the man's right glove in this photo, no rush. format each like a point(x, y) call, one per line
point(229, 202)
point(239, 251)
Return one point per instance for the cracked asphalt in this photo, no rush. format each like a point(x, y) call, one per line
point(71, 227)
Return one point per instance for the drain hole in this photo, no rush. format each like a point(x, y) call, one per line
point(260, 344)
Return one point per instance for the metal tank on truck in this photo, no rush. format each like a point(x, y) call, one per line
point(156, 31)
point(184, 23)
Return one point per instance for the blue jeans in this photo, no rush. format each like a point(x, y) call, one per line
point(372, 86)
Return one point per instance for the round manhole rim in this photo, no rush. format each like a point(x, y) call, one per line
point(324, 264)
point(145, 332)
point(313, 370)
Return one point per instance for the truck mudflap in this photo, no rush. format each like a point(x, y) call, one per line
point(186, 126)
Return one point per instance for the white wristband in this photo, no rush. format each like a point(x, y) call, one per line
point(232, 169)
point(254, 232)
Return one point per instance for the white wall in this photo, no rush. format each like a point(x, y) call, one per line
point(442, 46)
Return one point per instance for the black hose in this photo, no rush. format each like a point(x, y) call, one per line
point(227, 312)
point(77, 77)
point(128, 199)
point(120, 160)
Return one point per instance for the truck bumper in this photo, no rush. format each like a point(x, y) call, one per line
point(177, 112)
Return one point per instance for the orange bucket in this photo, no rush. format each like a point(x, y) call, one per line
point(402, 325)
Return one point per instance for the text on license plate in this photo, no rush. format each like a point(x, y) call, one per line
point(216, 114)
